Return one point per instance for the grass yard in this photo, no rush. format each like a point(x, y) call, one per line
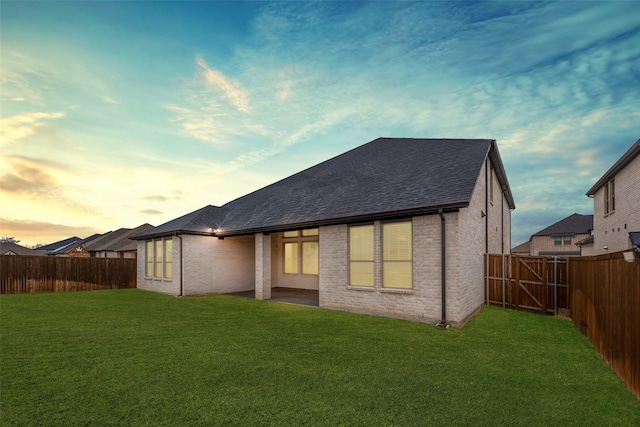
point(129, 357)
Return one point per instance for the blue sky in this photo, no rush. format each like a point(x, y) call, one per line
point(118, 113)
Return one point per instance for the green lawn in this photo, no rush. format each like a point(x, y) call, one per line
point(128, 357)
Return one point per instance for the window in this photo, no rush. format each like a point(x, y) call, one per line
point(301, 252)
point(148, 258)
point(309, 257)
point(557, 240)
point(159, 258)
point(291, 258)
point(361, 263)
point(397, 257)
point(567, 240)
point(610, 197)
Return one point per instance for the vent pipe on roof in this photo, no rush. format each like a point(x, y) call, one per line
point(443, 266)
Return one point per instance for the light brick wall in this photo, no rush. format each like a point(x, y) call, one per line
point(164, 286)
point(613, 230)
point(210, 266)
point(422, 303)
point(546, 243)
point(263, 251)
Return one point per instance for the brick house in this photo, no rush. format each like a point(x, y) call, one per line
point(560, 238)
point(396, 227)
point(616, 205)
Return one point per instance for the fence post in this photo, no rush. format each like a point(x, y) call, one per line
point(555, 285)
point(516, 294)
point(503, 286)
point(486, 266)
point(545, 287)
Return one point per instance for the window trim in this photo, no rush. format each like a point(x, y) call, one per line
point(383, 261)
point(152, 262)
point(300, 239)
point(372, 286)
point(610, 197)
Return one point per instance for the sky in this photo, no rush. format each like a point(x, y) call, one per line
point(114, 114)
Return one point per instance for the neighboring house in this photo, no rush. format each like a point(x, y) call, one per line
point(616, 205)
point(382, 229)
point(561, 238)
point(522, 249)
point(76, 249)
point(57, 246)
point(116, 244)
point(9, 248)
point(71, 247)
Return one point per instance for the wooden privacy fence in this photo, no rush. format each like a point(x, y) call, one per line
point(600, 293)
point(605, 305)
point(31, 274)
point(538, 284)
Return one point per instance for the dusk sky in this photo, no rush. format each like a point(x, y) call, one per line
point(114, 114)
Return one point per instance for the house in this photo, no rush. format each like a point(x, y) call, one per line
point(616, 205)
point(10, 248)
point(396, 227)
point(560, 238)
point(71, 247)
point(523, 249)
point(116, 244)
point(57, 246)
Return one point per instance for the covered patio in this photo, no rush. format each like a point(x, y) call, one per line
point(308, 297)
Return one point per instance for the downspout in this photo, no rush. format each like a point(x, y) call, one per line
point(443, 266)
point(179, 237)
point(486, 206)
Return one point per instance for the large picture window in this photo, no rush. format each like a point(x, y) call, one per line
point(159, 258)
point(397, 256)
point(361, 261)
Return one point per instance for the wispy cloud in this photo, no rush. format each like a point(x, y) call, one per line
point(15, 128)
point(232, 90)
point(109, 100)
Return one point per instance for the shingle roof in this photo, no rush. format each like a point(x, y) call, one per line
point(59, 245)
point(6, 247)
point(80, 242)
point(385, 177)
point(623, 161)
point(124, 243)
point(521, 248)
point(202, 221)
point(573, 224)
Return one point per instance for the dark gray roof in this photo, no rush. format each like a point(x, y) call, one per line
point(124, 243)
point(586, 241)
point(80, 242)
point(573, 224)
point(202, 221)
point(522, 248)
point(15, 249)
point(383, 178)
point(59, 245)
point(623, 161)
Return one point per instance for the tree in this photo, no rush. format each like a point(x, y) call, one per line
point(9, 240)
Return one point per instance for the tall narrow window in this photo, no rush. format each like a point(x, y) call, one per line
point(610, 197)
point(361, 255)
point(158, 259)
point(168, 258)
point(291, 258)
point(148, 259)
point(397, 257)
point(309, 257)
